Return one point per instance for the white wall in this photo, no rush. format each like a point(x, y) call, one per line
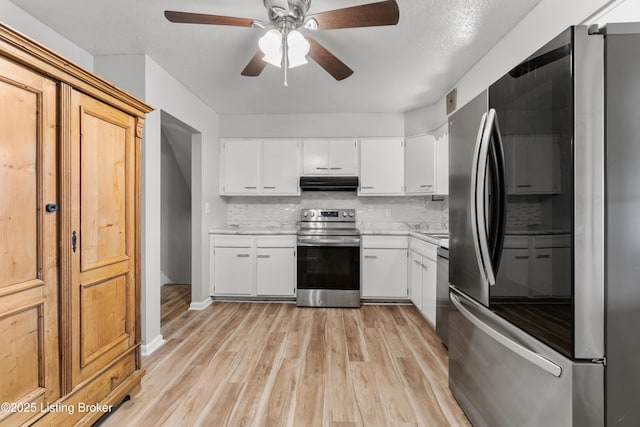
point(542, 24)
point(20, 20)
point(165, 93)
point(311, 125)
point(175, 218)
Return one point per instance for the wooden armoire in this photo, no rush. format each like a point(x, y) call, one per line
point(69, 238)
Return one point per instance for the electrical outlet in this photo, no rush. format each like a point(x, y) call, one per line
point(387, 213)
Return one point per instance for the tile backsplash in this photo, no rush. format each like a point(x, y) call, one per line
point(417, 211)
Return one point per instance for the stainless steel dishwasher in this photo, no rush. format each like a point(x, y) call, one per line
point(442, 295)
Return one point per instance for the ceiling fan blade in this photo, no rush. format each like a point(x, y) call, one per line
point(366, 15)
point(202, 18)
point(255, 66)
point(327, 60)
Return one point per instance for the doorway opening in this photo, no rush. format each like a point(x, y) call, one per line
point(175, 218)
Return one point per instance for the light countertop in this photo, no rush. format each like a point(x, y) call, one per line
point(436, 237)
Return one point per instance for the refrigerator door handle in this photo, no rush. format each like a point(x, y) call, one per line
point(530, 355)
point(499, 214)
point(480, 199)
point(473, 211)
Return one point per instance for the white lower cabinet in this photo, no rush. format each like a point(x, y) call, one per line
point(384, 267)
point(423, 278)
point(415, 279)
point(253, 265)
point(275, 271)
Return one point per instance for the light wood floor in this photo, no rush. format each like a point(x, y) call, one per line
point(275, 364)
point(174, 301)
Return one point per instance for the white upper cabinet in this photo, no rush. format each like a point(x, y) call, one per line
point(533, 164)
point(343, 157)
point(420, 165)
point(239, 167)
point(441, 162)
point(427, 163)
point(280, 166)
point(330, 157)
point(381, 166)
point(260, 167)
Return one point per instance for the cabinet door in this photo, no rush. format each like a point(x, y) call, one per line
point(343, 157)
point(442, 164)
point(420, 171)
point(280, 168)
point(315, 157)
point(381, 166)
point(513, 275)
point(415, 279)
point(240, 165)
point(233, 271)
point(429, 289)
point(28, 241)
point(275, 271)
point(536, 160)
point(384, 273)
point(103, 151)
point(551, 272)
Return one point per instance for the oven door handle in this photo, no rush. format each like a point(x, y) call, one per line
point(314, 241)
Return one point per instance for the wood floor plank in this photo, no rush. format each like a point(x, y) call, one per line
point(250, 364)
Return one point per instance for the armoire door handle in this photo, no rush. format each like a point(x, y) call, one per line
point(74, 241)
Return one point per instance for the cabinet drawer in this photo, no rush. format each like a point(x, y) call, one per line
point(516, 242)
point(224, 241)
point(560, 241)
point(385, 242)
point(276, 241)
point(425, 249)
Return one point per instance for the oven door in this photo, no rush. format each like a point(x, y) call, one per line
point(329, 262)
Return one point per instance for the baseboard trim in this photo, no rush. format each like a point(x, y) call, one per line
point(197, 306)
point(153, 345)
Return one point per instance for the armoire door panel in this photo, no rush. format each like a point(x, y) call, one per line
point(18, 184)
point(20, 354)
point(102, 326)
point(103, 182)
point(103, 198)
point(29, 348)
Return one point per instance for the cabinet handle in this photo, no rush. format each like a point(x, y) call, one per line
point(250, 188)
point(544, 256)
point(269, 188)
point(426, 186)
point(322, 169)
point(371, 257)
point(74, 241)
point(336, 169)
point(522, 257)
point(418, 262)
point(264, 256)
point(524, 186)
point(367, 188)
point(242, 255)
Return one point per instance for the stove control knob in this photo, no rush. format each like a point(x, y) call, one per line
point(351, 214)
point(313, 214)
point(306, 214)
point(344, 214)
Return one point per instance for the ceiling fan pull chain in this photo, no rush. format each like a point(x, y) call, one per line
point(285, 56)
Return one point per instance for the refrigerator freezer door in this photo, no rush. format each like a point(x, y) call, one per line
point(501, 376)
point(465, 268)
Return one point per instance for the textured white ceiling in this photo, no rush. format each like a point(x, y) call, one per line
point(396, 69)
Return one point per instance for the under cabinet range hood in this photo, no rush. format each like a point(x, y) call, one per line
point(329, 183)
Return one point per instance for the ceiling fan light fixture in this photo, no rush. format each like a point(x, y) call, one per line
point(298, 49)
point(271, 45)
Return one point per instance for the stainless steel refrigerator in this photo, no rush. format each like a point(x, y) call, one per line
point(545, 238)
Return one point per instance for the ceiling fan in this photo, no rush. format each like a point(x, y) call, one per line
point(284, 46)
